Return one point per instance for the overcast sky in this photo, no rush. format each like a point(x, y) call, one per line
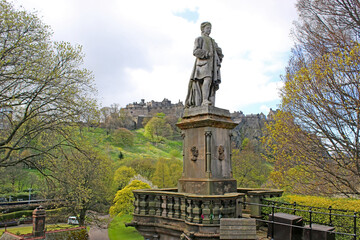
point(142, 49)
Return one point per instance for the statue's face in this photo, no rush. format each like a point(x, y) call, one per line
point(207, 29)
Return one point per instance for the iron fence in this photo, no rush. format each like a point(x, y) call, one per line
point(345, 222)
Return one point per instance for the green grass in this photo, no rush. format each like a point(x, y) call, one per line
point(118, 231)
point(28, 229)
point(142, 147)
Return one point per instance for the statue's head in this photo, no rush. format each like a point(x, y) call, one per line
point(205, 27)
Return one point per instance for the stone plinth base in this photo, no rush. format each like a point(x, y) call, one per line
point(207, 186)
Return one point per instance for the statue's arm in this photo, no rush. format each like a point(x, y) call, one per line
point(199, 52)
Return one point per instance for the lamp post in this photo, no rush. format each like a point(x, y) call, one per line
point(29, 194)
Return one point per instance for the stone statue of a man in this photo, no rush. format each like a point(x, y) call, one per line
point(205, 77)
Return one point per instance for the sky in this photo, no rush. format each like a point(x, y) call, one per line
point(142, 49)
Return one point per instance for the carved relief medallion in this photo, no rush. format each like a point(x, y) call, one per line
point(195, 153)
point(221, 152)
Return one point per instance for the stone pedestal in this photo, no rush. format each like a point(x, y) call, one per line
point(39, 215)
point(207, 151)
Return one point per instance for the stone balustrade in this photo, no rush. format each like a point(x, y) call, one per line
point(190, 208)
point(171, 213)
point(255, 195)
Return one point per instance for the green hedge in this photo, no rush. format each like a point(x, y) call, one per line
point(80, 234)
point(15, 215)
point(28, 213)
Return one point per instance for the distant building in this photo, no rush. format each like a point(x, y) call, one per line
point(144, 110)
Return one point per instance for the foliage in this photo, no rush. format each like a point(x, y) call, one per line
point(42, 87)
point(122, 137)
point(15, 215)
point(143, 166)
point(124, 198)
point(315, 138)
point(122, 176)
point(118, 231)
point(249, 169)
point(82, 177)
point(162, 177)
point(157, 128)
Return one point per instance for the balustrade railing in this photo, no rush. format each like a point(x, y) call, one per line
point(190, 208)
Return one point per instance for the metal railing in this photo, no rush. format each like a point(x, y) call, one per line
point(346, 230)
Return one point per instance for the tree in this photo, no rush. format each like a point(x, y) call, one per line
point(42, 87)
point(162, 176)
point(124, 198)
point(82, 177)
point(157, 127)
point(249, 169)
point(317, 131)
point(122, 137)
point(122, 176)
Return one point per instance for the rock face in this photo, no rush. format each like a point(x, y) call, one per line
point(250, 126)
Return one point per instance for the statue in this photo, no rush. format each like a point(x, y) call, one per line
point(205, 77)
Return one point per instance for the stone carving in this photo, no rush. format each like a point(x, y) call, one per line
point(221, 152)
point(195, 153)
point(205, 77)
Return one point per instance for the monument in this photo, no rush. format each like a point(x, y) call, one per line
point(206, 129)
point(206, 191)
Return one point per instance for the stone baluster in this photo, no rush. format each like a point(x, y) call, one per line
point(189, 210)
point(206, 212)
point(177, 207)
point(216, 211)
point(151, 204)
point(231, 209)
point(224, 208)
point(170, 206)
point(158, 203)
point(136, 203)
point(164, 206)
point(143, 204)
point(197, 211)
point(183, 208)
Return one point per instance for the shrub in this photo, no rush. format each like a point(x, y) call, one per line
point(122, 137)
point(124, 198)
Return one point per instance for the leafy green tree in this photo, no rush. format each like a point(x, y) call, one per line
point(176, 169)
point(162, 176)
point(249, 169)
point(157, 127)
point(122, 176)
point(143, 166)
point(122, 137)
point(124, 198)
point(42, 87)
point(81, 176)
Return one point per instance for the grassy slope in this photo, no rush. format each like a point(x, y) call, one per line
point(142, 147)
point(118, 231)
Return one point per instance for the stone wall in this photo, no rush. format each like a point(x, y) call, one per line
point(142, 110)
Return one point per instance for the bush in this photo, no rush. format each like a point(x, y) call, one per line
point(124, 198)
point(15, 215)
point(122, 137)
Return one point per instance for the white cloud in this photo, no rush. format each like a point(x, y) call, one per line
point(141, 49)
